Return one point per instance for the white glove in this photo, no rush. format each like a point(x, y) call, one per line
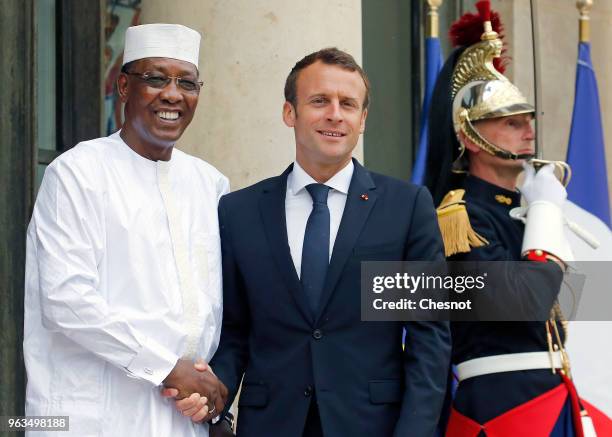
point(545, 196)
point(542, 185)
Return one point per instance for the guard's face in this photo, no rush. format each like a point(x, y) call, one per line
point(513, 133)
point(158, 115)
point(329, 116)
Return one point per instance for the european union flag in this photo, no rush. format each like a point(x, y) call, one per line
point(586, 154)
point(433, 65)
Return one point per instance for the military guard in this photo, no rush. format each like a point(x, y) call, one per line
point(514, 377)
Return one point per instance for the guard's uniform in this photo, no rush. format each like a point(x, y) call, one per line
point(512, 375)
point(505, 402)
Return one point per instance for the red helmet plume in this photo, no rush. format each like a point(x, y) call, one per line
point(467, 30)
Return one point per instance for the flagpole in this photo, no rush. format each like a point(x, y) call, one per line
point(433, 21)
point(584, 7)
point(433, 64)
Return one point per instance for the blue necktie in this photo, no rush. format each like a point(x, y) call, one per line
point(315, 251)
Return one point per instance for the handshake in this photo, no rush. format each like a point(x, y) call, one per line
point(198, 392)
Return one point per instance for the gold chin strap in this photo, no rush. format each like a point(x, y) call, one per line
point(468, 129)
point(562, 169)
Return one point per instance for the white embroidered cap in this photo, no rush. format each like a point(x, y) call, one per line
point(161, 41)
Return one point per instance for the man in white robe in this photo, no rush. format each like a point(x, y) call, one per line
point(123, 271)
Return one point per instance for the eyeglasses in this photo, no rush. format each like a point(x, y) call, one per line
point(160, 81)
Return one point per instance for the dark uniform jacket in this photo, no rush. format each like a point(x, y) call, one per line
point(485, 397)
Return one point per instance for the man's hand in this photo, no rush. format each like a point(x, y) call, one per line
point(196, 405)
point(542, 185)
point(545, 222)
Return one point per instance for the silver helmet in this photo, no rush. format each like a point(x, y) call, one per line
point(480, 92)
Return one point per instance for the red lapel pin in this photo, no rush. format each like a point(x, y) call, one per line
point(364, 197)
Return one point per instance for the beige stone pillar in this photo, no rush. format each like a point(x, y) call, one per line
point(558, 40)
point(247, 51)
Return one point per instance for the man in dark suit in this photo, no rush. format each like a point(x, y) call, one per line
point(292, 249)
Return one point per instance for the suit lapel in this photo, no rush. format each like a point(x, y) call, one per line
point(356, 212)
point(272, 208)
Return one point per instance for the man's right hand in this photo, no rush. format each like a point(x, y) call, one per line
point(545, 222)
point(199, 405)
point(543, 185)
point(188, 378)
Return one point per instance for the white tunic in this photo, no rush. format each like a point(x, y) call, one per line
point(123, 274)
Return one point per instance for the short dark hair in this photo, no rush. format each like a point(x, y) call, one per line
point(329, 56)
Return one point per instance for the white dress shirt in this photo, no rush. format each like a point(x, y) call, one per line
point(123, 277)
point(298, 206)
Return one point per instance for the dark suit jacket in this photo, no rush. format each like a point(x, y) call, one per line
point(365, 384)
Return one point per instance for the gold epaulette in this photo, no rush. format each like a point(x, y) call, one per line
point(457, 232)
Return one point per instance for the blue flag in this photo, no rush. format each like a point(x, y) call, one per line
point(433, 65)
point(586, 154)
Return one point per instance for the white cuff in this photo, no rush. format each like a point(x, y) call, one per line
point(544, 230)
point(153, 362)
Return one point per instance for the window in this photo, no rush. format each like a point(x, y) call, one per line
point(46, 90)
point(68, 77)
